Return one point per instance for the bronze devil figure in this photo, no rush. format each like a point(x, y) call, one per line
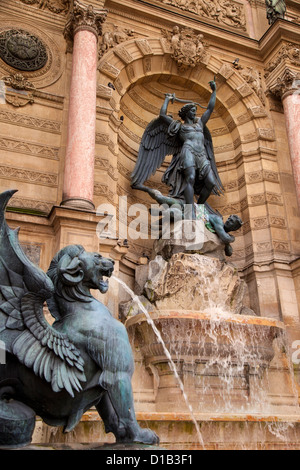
point(59, 371)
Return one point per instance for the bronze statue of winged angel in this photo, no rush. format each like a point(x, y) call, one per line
point(83, 359)
point(193, 169)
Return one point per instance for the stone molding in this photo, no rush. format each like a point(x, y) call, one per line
point(105, 165)
point(25, 120)
point(83, 18)
point(28, 176)
point(78, 203)
point(29, 148)
point(31, 204)
point(103, 190)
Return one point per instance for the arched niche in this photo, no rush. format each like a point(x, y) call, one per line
point(141, 72)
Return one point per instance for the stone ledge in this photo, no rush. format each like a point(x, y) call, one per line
point(220, 431)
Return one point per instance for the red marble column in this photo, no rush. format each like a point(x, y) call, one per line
point(83, 27)
point(291, 106)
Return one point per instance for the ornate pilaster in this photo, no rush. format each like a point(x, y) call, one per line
point(83, 26)
point(287, 88)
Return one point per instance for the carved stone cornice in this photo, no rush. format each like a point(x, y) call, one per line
point(288, 83)
point(84, 17)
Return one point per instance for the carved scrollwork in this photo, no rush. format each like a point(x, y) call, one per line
point(15, 86)
point(18, 82)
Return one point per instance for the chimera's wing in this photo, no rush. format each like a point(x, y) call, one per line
point(155, 145)
point(23, 327)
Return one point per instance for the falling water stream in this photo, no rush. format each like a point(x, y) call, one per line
point(167, 353)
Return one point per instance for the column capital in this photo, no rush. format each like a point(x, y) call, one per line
point(287, 84)
point(84, 17)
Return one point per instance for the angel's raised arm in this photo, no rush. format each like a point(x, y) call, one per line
point(163, 111)
point(205, 117)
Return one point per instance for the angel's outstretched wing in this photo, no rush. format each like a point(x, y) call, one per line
point(23, 290)
point(219, 188)
point(155, 145)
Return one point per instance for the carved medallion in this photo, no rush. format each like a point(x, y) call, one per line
point(22, 50)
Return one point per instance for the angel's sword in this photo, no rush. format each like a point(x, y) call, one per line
point(186, 101)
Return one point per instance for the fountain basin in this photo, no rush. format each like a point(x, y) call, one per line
point(203, 335)
point(221, 359)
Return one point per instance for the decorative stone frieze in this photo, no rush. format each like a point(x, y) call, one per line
point(25, 120)
point(144, 46)
point(28, 176)
point(227, 13)
point(55, 6)
point(29, 148)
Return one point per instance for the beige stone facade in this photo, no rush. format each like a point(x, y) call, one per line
point(144, 50)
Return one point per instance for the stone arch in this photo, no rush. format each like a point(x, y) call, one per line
point(242, 131)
